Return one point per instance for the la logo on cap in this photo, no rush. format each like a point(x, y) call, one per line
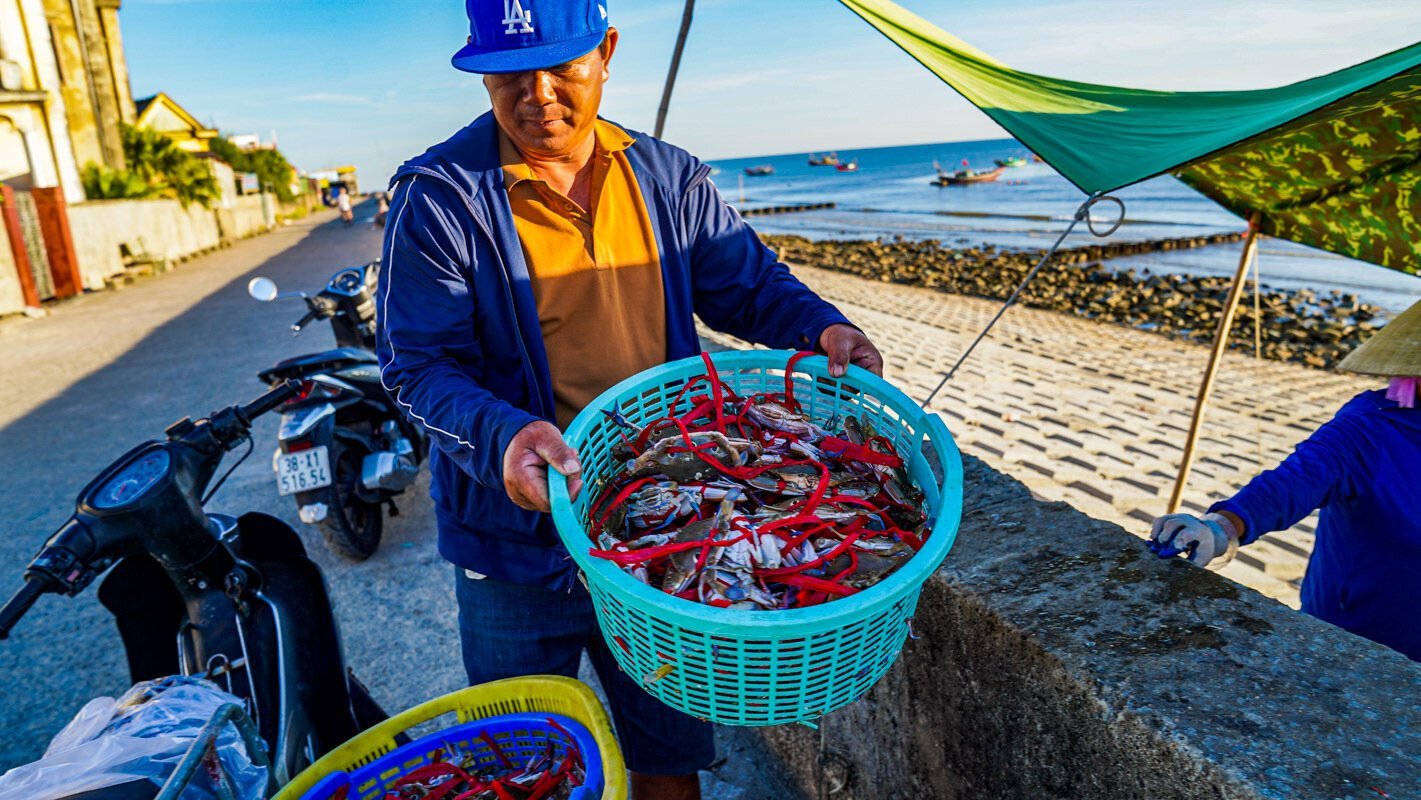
point(516, 18)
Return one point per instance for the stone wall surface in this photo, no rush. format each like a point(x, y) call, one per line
point(168, 230)
point(245, 216)
point(1059, 659)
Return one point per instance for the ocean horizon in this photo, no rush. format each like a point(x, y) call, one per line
point(892, 194)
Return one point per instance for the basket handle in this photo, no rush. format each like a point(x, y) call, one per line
point(469, 703)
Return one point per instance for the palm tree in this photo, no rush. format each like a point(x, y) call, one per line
point(172, 171)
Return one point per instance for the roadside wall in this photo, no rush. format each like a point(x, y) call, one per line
point(1059, 659)
point(245, 216)
point(166, 229)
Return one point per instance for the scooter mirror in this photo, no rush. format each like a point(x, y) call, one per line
point(263, 289)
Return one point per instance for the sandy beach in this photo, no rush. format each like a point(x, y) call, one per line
point(1094, 415)
point(1305, 326)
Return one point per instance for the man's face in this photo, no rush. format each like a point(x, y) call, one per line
point(549, 112)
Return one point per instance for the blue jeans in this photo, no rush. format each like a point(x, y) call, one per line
point(508, 630)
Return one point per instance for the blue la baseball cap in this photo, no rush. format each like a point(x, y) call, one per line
point(519, 35)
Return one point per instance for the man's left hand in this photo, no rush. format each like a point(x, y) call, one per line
point(845, 344)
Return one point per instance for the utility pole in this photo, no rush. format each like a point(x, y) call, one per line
point(675, 65)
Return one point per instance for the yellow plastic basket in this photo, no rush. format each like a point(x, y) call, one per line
point(532, 694)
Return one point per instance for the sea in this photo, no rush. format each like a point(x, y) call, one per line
point(893, 195)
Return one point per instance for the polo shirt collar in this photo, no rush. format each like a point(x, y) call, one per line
point(608, 139)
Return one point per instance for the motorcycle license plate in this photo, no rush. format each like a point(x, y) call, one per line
point(303, 470)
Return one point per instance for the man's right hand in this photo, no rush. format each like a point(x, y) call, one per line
point(525, 465)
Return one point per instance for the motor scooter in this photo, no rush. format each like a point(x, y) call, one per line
point(344, 449)
point(232, 599)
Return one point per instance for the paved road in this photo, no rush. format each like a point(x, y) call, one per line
point(109, 370)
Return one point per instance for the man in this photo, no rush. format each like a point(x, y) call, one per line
point(533, 260)
point(343, 204)
point(1361, 469)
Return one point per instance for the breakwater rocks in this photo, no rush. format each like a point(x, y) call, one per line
point(1316, 329)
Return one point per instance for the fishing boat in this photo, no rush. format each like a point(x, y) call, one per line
point(848, 166)
point(763, 169)
point(826, 160)
point(1011, 161)
point(965, 176)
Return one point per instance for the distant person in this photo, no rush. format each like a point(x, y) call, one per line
point(1363, 469)
point(347, 216)
point(382, 210)
point(533, 260)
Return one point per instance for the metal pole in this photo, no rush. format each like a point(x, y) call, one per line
point(1221, 343)
point(675, 65)
point(1082, 213)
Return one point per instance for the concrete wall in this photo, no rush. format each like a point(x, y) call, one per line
point(251, 214)
point(166, 228)
point(1059, 659)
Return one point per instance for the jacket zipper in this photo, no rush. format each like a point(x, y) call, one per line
point(517, 328)
point(507, 283)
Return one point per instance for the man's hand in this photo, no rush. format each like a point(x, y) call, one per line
point(845, 344)
point(525, 465)
point(1200, 539)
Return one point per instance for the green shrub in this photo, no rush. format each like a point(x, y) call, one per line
point(102, 183)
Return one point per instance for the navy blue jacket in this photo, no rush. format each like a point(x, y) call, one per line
point(1361, 469)
point(461, 349)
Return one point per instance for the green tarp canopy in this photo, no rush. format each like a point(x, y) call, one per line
point(1333, 162)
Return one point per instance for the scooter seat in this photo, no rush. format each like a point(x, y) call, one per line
point(338, 358)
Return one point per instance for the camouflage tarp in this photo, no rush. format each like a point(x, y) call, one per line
point(1333, 162)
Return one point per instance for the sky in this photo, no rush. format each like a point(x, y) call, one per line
point(370, 84)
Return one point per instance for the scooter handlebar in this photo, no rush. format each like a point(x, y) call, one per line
point(18, 604)
point(274, 397)
point(303, 322)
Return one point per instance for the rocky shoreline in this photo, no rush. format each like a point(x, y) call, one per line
point(1316, 329)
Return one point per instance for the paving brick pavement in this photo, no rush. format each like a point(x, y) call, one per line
point(1096, 414)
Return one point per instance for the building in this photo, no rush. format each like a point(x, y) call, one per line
point(334, 177)
point(249, 142)
point(64, 92)
point(162, 114)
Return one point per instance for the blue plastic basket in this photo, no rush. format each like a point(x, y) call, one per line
point(759, 667)
point(519, 736)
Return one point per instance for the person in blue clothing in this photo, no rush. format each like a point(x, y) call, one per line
point(534, 259)
point(1363, 470)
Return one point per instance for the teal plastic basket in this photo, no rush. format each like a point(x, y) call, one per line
point(759, 667)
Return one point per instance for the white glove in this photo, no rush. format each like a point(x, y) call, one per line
point(1211, 538)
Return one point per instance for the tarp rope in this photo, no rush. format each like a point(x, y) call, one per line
point(1082, 213)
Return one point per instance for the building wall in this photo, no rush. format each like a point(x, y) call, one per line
point(36, 107)
point(162, 119)
point(91, 99)
point(118, 62)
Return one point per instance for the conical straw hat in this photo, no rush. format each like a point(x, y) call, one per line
point(1394, 351)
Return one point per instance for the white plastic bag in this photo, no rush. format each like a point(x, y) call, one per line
point(141, 736)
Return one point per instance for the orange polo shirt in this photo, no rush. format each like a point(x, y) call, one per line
point(596, 272)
